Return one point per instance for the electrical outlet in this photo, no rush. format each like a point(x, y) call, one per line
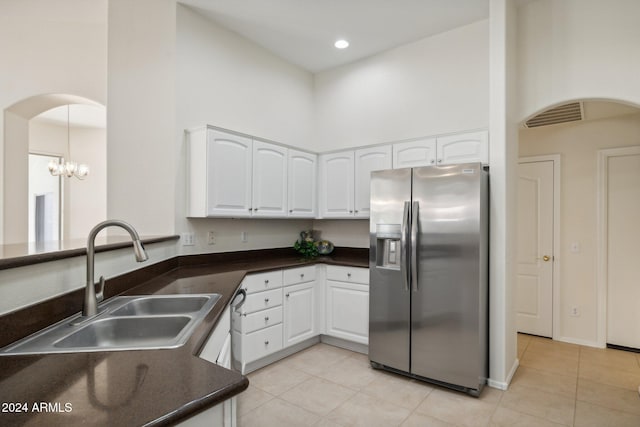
point(211, 238)
point(188, 239)
point(575, 311)
point(244, 236)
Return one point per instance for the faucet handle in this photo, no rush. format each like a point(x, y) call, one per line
point(100, 292)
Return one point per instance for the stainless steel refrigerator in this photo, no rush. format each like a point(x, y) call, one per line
point(428, 302)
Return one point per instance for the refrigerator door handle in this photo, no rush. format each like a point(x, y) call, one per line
point(404, 258)
point(414, 246)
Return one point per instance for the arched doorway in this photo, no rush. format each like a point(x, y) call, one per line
point(581, 279)
point(28, 131)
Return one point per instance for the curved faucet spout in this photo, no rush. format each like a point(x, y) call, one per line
point(90, 299)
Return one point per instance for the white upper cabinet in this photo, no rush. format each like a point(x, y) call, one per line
point(219, 174)
point(228, 174)
point(233, 175)
point(302, 184)
point(368, 160)
point(336, 184)
point(417, 153)
point(269, 180)
point(345, 180)
point(463, 148)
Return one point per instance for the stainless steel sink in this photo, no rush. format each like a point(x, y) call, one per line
point(151, 306)
point(126, 332)
point(123, 323)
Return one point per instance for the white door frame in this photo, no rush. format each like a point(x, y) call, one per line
point(603, 235)
point(555, 158)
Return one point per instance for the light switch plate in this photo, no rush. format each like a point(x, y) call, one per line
point(188, 239)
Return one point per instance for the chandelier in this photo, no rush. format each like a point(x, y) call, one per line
point(68, 168)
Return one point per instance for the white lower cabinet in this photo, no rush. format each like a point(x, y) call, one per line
point(347, 299)
point(257, 324)
point(300, 313)
point(260, 320)
point(257, 344)
point(284, 309)
point(217, 349)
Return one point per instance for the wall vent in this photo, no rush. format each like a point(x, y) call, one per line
point(562, 114)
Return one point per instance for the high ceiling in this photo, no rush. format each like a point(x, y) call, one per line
point(303, 31)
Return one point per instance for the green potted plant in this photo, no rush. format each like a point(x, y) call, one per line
point(305, 245)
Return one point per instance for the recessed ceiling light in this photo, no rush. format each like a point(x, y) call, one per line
point(341, 44)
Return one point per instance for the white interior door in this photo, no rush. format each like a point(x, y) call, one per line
point(534, 285)
point(623, 254)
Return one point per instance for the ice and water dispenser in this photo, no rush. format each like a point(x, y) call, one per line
point(388, 246)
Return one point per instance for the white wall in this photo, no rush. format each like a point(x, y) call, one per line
point(436, 85)
point(578, 143)
point(350, 233)
point(24, 286)
point(227, 81)
point(503, 152)
point(141, 115)
point(46, 47)
point(577, 49)
point(88, 197)
point(85, 201)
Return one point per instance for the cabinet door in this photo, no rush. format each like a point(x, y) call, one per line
point(368, 160)
point(348, 311)
point(336, 191)
point(414, 153)
point(302, 184)
point(300, 314)
point(228, 174)
point(464, 148)
point(214, 345)
point(269, 180)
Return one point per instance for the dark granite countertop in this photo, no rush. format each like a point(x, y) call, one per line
point(147, 387)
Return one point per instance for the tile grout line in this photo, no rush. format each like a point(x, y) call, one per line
point(414, 410)
point(575, 401)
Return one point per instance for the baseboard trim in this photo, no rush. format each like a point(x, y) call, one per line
point(268, 360)
point(348, 345)
point(578, 341)
point(286, 352)
point(504, 385)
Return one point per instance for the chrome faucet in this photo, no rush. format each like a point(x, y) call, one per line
point(91, 300)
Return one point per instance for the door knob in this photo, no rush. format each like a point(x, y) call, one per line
point(546, 258)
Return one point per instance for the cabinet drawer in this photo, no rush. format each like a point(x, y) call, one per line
point(348, 274)
point(246, 323)
point(262, 301)
point(262, 281)
point(262, 343)
point(299, 275)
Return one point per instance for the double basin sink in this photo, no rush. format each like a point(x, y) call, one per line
point(123, 323)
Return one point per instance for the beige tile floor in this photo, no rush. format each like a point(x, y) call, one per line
point(557, 384)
